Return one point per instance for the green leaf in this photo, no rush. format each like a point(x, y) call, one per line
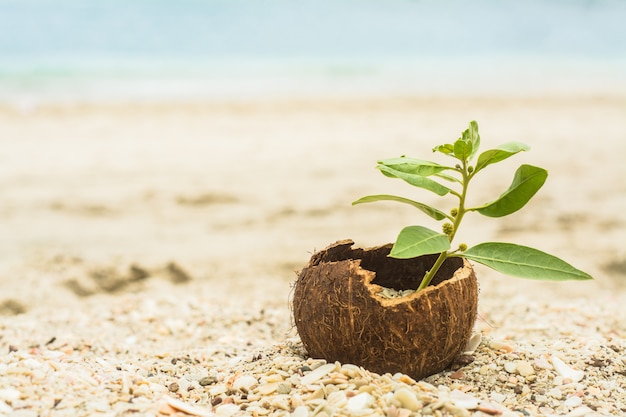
point(527, 181)
point(467, 145)
point(462, 149)
point(415, 180)
point(447, 149)
point(523, 262)
point(414, 241)
point(473, 137)
point(500, 153)
point(413, 166)
point(431, 211)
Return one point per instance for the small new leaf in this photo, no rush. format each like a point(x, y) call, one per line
point(527, 181)
point(467, 145)
point(474, 138)
point(462, 149)
point(523, 262)
point(414, 241)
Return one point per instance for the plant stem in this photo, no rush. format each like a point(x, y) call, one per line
point(430, 274)
point(457, 221)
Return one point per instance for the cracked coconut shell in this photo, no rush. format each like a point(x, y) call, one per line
point(340, 315)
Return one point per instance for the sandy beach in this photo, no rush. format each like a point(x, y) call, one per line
point(147, 254)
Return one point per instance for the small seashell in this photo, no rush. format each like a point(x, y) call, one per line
point(367, 388)
point(407, 399)
point(473, 343)
point(489, 409)
point(267, 389)
point(463, 400)
point(500, 345)
point(337, 399)
point(187, 408)
point(317, 394)
point(300, 411)
point(318, 373)
point(296, 401)
point(395, 412)
point(280, 402)
point(573, 401)
point(457, 411)
point(359, 382)
point(274, 378)
point(359, 402)
point(543, 363)
point(565, 371)
point(406, 379)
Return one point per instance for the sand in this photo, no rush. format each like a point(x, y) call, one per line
point(139, 235)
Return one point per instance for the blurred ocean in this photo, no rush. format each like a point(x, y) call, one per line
point(212, 49)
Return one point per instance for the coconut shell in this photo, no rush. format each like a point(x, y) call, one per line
point(340, 316)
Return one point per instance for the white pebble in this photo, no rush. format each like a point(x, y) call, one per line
point(580, 412)
point(5, 408)
point(573, 401)
point(407, 399)
point(359, 402)
point(9, 394)
point(525, 368)
point(497, 397)
point(510, 367)
point(235, 360)
point(555, 393)
point(227, 410)
point(217, 390)
point(246, 382)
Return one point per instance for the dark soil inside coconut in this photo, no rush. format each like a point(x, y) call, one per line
point(399, 274)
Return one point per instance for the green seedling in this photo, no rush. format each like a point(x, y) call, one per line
point(507, 258)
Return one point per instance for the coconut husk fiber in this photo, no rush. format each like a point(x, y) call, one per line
point(340, 316)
